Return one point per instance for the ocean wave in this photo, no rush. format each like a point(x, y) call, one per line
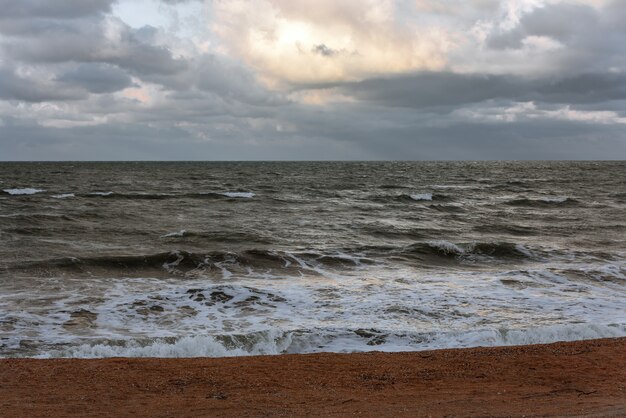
point(259, 343)
point(511, 229)
point(25, 191)
point(287, 262)
point(101, 194)
point(276, 341)
point(453, 186)
point(410, 197)
point(544, 201)
point(471, 250)
point(165, 196)
point(448, 208)
point(245, 195)
point(63, 196)
point(252, 236)
point(42, 218)
point(180, 233)
point(188, 263)
point(393, 186)
point(421, 196)
point(619, 197)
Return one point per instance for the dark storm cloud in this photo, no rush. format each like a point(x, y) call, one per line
point(96, 78)
point(105, 65)
point(67, 9)
point(86, 41)
point(28, 89)
point(429, 90)
point(405, 134)
point(562, 22)
point(591, 39)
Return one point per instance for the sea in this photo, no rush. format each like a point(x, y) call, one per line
point(184, 259)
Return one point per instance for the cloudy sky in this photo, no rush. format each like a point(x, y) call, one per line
point(312, 80)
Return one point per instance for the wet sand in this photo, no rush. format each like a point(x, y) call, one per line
point(586, 378)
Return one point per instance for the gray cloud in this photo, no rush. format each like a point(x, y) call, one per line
point(96, 78)
point(370, 134)
point(231, 81)
point(572, 22)
point(67, 9)
point(324, 50)
point(591, 40)
point(431, 90)
point(86, 41)
point(28, 89)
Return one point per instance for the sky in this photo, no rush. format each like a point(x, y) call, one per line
point(312, 79)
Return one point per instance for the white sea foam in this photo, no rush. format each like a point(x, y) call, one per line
point(554, 199)
point(446, 247)
point(175, 234)
point(274, 341)
point(261, 343)
point(101, 193)
point(422, 196)
point(247, 195)
point(313, 308)
point(25, 191)
point(63, 196)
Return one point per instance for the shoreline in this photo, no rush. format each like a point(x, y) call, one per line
point(580, 378)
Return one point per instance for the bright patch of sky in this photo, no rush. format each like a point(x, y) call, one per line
point(185, 19)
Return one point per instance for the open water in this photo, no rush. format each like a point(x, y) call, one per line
point(212, 259)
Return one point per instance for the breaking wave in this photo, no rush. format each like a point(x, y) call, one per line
point(225, 263)
point(544, 202)
point(180, 233)
point(410, 197)
point(490, 249)
point(246, 195)
point(184, 262)
point(63, 196)
point(274, 341)
point(165, 196)
point(26, 191)
point(421, 196)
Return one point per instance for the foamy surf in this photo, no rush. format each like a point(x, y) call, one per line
point(274, 342)
point(421, 196)
point(316, 307)
point(175, 234)
point(63, 196)
point(243, 195)
point(184, 259)
point(25, 191)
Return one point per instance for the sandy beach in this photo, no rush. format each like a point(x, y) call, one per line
point(585, 378)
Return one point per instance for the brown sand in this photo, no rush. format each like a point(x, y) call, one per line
point(585, 378)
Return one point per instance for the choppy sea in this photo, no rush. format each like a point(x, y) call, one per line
point(214, 259)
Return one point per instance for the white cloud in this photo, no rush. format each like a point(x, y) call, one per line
point(530, 111)
point(332, 40)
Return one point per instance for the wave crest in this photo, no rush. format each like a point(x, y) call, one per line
point(544, 202)
point(25, 191)
point(275, 341)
